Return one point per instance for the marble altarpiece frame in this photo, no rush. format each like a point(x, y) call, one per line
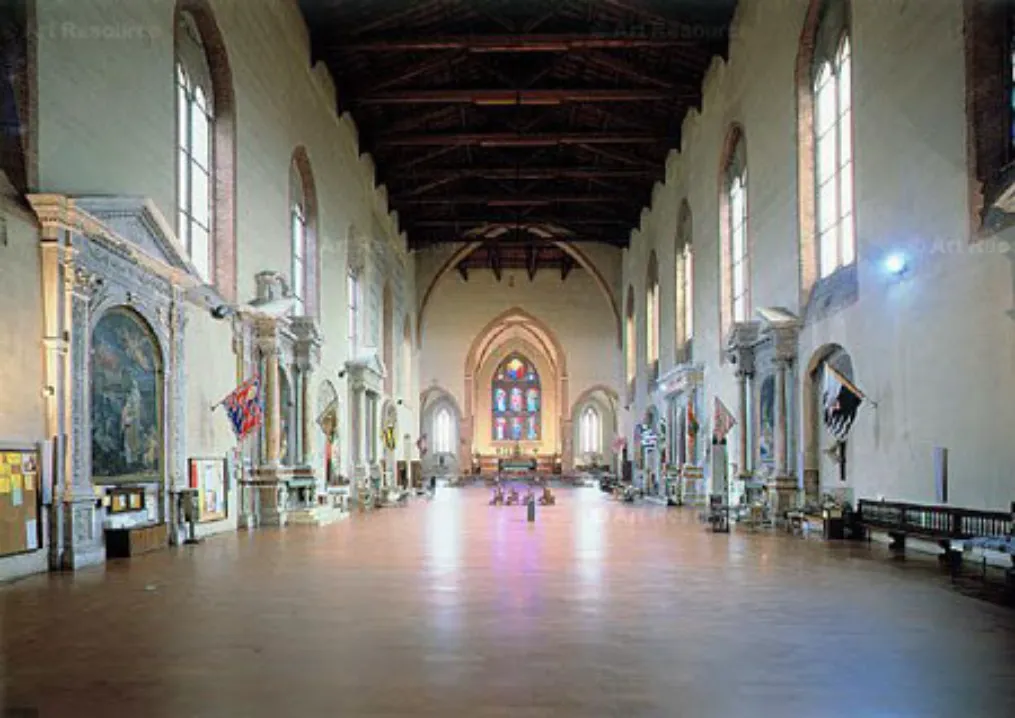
point(102, 256)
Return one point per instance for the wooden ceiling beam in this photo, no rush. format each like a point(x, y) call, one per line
point(489, 223)
point(509, 139)
point(513, 98)
point(519, 200)
point(530, 42)
point(526, 173)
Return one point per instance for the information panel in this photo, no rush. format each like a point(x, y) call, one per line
point(19, 501)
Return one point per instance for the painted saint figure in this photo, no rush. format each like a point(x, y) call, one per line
point(500, 400)
point(532, 400)
point(516, 399)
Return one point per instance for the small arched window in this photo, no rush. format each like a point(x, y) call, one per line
point(684, 283)
point(736, 222)
point(629, 338)
point(833, 140)
point(443, 431)
point(194, 145)
point(298, 240)
point(652, 315)
point(590, 431)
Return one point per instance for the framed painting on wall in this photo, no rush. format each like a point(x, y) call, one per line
point(209, 477)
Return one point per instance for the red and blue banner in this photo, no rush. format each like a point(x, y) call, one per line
point(244, 407)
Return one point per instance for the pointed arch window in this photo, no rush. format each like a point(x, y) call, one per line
point(194, 132)
point(516, 401)
point(684, 310)
point(833, 155)
point(739, 257)
point(443, 431)
point(630, 347)
point(733, 226)
point(298, 240)
point(591, 431)
point(652, 315)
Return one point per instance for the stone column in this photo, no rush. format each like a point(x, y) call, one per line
point(306, 418)
point(781, 420)
point(272, 404)
point(743, 421)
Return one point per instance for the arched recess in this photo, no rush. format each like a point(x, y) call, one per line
point(515, 330)
point(572, 251)
point(301, 169)
point(223, 228)
point(328, 432)
point(387, 338)
point(127, 383)
point(433, 402)
point(606, 402)
point(818, 460)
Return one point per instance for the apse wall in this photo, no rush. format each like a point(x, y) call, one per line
point(575, 310)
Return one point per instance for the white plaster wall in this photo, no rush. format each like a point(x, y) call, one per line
point(107, 126)
point(22, 378)
point(935, 349)
point(575, 310)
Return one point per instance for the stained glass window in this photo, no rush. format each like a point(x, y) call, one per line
point(516, 401)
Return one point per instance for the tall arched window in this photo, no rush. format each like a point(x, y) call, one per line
point(685, 284)
point(303, 234)
point(406, 352)
point(205, 146)
point(443, 431)
point(736, 305)
point(590, 431)
point(652, 315)
point(298, 240)
point(353, 300)
point(516, 401)
point(629, 339)
point(195, 99)
point(833, 140)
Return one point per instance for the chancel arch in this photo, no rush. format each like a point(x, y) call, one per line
point(512, 333)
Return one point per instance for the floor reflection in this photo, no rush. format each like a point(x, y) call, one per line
point(452, 606)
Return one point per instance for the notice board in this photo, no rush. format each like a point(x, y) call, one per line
point(19, 501)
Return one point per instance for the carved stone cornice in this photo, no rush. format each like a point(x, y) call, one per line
point(782, 328)
point(59, 212)
point(740, 347)
point(681, 378)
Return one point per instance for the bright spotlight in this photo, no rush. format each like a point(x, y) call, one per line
point(895, 264)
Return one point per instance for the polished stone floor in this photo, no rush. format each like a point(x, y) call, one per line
point(455, 608)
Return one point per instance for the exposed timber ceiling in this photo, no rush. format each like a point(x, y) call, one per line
point(518, 123)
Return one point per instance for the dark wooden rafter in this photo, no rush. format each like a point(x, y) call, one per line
point(531, 261)
point(518, 122)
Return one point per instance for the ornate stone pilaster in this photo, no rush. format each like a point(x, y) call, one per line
point(307, 350)
point(267, 346)
point(740, 352)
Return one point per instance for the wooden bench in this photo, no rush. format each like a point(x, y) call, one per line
point(939, 524)
point(136, 540)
